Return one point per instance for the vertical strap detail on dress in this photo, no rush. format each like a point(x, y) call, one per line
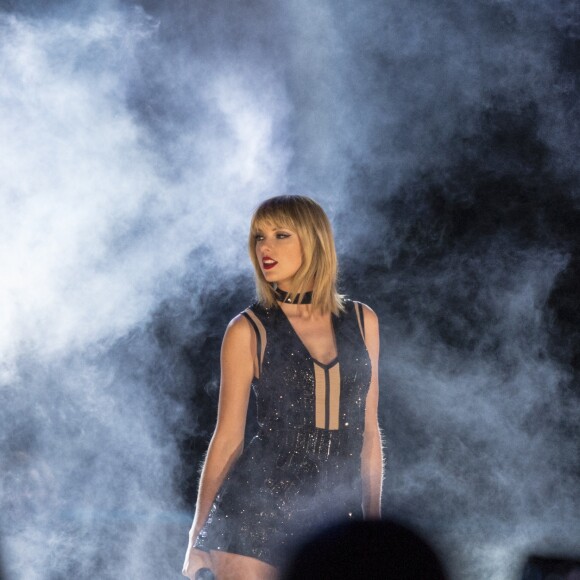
point(334, 391)
point(319, 396)
point(360, 318)
point(327, 396)
point(260, 338)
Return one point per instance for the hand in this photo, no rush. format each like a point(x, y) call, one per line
point(194, 560)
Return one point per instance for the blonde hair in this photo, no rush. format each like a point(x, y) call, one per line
point(319, 267)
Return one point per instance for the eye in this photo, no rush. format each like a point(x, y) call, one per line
point(258, 237)
point(282, 235)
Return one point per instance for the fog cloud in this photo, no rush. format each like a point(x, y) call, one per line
point(136, 138)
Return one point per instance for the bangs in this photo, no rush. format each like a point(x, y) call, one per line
point(271, 216)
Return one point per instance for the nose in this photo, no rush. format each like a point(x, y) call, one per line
point(263, 248)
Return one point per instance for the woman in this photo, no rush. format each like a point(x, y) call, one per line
point(311, 356)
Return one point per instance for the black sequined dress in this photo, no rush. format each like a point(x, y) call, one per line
point(302, 469)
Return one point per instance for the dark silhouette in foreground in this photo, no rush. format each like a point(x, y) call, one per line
point(552, 568)
point(366, 550)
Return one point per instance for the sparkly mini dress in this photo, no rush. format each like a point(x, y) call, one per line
point(303, 468)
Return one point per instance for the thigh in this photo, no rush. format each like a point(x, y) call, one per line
point(229, 566)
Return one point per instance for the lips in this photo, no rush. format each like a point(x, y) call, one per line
point(268, 263)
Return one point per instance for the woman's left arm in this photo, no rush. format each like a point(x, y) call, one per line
point(372, 451)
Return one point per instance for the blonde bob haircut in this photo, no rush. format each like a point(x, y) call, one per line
point(319, 268)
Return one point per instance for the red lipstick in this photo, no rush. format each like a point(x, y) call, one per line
point(268, 263)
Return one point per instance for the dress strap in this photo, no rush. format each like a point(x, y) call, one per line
point(261, 339)
point(360, 317)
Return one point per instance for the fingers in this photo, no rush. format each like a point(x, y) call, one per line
point(194, 560)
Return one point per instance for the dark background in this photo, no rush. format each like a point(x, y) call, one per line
point(137, 137)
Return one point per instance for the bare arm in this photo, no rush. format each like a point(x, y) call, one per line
point(237, 370)
point(372, 451)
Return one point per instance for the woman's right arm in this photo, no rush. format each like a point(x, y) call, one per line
point(237, 371)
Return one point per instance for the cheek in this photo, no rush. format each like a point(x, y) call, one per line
point(299, 253)
point(299, 256)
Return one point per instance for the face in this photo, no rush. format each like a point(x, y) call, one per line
point(279, 254)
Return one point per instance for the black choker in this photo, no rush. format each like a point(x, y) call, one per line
point(282, 296)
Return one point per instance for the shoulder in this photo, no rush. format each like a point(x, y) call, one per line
point(368, 313)
point(238, 329)
point(248, 321)
point(370, 324)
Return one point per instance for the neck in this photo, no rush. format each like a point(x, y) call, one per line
point(283, 296)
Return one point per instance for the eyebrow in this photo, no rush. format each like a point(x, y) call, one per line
point(276, 229)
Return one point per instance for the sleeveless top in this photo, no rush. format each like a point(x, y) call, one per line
point(303, 468)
